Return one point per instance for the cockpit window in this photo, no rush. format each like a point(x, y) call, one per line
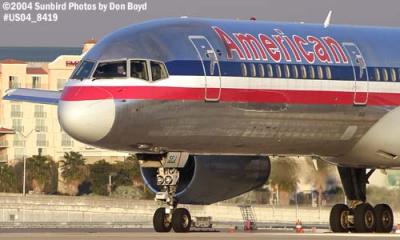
point(84, 70)
point(115, 69)
point(139, 69)
point(158, 71)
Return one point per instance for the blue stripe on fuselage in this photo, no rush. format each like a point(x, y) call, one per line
point(233, 69)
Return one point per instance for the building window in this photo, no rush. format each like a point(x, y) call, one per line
point(328, 72)
point(18, 141)
point(270, 71)
point(61, 84)
point(36, 83)
point(16, 111)
point(13, 82)
point(3, 158)
point(261, 71)
point(39, 111)
point(41, 140)
point(244, 69)
point(18, 153)
point(66, 141)
point(320, 72)
point(41, 125)
point(303, 72)
point(17, 125)
point(311, 72)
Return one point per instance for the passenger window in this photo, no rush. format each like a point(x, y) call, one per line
point(158, 71)
point(253, 72)
point(393, 75)
point(295, 71)
point(139, 69)
point(320, 72)
point(278, 71)
point(398, 75)
point(270, 71)
point(261, 70)
point(115, 69)
point(303, 71)
point(244, 70)
point(385, 75)
point(377, 74)
point(311, 72)
point(287, 71)
point(328, 73)
point(84, 70)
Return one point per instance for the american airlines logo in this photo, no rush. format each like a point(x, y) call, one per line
point(280, 46)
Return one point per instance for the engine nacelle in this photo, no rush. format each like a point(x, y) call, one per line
point(210, 179)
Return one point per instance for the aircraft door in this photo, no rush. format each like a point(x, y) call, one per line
point(211, 67)
point(360, 72)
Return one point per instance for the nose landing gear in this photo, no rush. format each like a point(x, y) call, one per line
point(164, 219)
point(170, 217)
point(359, 216)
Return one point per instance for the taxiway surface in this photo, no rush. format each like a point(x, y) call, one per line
point(116, 234)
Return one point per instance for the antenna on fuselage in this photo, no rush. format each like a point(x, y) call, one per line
point(327, 21)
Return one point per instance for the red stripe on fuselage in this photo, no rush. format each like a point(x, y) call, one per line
point(227, 95)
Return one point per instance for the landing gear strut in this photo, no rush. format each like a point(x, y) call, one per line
point(359, 215)
point(171, 216)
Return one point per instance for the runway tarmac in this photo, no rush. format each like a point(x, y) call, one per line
point(117, 234)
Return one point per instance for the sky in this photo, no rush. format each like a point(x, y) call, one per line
point(75, 27)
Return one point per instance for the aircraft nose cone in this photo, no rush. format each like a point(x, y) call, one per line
point(87, 121)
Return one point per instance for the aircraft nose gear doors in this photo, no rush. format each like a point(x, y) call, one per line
point(359, 216)
point(211, 68)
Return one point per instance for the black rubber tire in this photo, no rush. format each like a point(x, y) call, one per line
point(181, 220)
point(384, 218)
point(338, 218)
point(160, 221)
point(364, 218)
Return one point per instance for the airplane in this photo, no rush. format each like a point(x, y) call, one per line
point(205, 103)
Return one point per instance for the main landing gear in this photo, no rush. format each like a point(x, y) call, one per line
point(359, 216)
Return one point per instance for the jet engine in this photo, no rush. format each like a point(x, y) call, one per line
point(210, 179)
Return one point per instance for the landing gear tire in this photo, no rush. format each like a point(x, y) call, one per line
point(181, 220)
point(338, 218)
point(384, 218)
point(161, 221)
point(364, 218)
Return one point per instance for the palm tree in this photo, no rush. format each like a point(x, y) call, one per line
point(8, 179)
point(41, 170)
point(73, 171)
point(99, 174)
point(284, 176)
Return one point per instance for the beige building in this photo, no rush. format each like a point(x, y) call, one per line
point(36, 125)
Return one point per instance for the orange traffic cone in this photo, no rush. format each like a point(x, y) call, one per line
point(299, 227)
point(232, 229)
point(398, 229)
